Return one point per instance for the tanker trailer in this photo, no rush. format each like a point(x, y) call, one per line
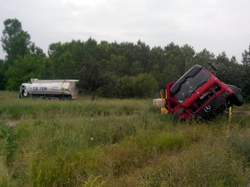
point(50, 89)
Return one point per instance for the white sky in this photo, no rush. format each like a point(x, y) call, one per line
point(217, 25)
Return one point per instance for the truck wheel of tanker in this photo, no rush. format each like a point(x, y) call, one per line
point(236, 98)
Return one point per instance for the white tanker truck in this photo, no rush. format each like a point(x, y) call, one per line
point(61, 89)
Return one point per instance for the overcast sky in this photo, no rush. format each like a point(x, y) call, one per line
point(217, 25)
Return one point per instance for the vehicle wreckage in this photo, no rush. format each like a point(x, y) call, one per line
point(199, 94)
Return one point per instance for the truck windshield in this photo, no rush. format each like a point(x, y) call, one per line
point(191, 84)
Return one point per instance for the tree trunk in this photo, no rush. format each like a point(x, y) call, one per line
point(93, 96)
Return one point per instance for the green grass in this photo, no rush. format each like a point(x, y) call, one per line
point(113, 142)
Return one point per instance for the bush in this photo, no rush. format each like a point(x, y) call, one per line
point(142, 86)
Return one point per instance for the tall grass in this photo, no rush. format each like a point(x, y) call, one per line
point(113, 142)
point(203, 164)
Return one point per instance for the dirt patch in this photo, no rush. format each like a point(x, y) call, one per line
point(12, 123)
point(240, 113)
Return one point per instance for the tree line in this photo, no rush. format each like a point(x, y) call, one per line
point(124, 70)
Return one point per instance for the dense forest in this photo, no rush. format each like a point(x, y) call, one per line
point(124, 70)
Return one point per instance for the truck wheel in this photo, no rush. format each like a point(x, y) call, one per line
point(236, 98)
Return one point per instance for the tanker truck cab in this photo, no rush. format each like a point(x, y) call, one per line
point(198, 93)
point(189, 83)
point(23, 91)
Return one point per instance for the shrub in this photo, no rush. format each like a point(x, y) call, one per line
point(142, 86)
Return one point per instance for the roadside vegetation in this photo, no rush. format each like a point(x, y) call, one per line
point(114, 142)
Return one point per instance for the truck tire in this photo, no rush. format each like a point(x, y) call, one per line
point(236, 98)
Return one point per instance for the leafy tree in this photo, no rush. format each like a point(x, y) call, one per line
point(157, 62)
point(109, 85)
point(90, 76)
point(15, 41)
point(119, 64)
point(141, 55)
point(175, 57)
point(67, 66)
point(188, 53)
point(145, 85)
point(104, 51)
point(222, 59)
point(157, 57)
point(90, 48)
point(233, 60)
point(224, 66)
point(34, 50)
point(125, 87)
point(65, 59)
point(23, 69)
point(202, 58)
point(245, 74)
point(158, 75)
point(245, 78)
point(170, 74)
point(136, 68)
point(42, 65)
point(44, 70)
point(246, 57)
point(1, 74)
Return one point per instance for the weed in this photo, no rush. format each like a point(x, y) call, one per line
point(9, 142)
point(92, 182)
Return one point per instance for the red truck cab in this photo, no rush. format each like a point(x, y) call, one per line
point(200, 94)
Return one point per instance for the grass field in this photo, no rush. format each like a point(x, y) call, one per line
point(113, 142)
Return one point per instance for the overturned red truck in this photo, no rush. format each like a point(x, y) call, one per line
point(199, 94)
